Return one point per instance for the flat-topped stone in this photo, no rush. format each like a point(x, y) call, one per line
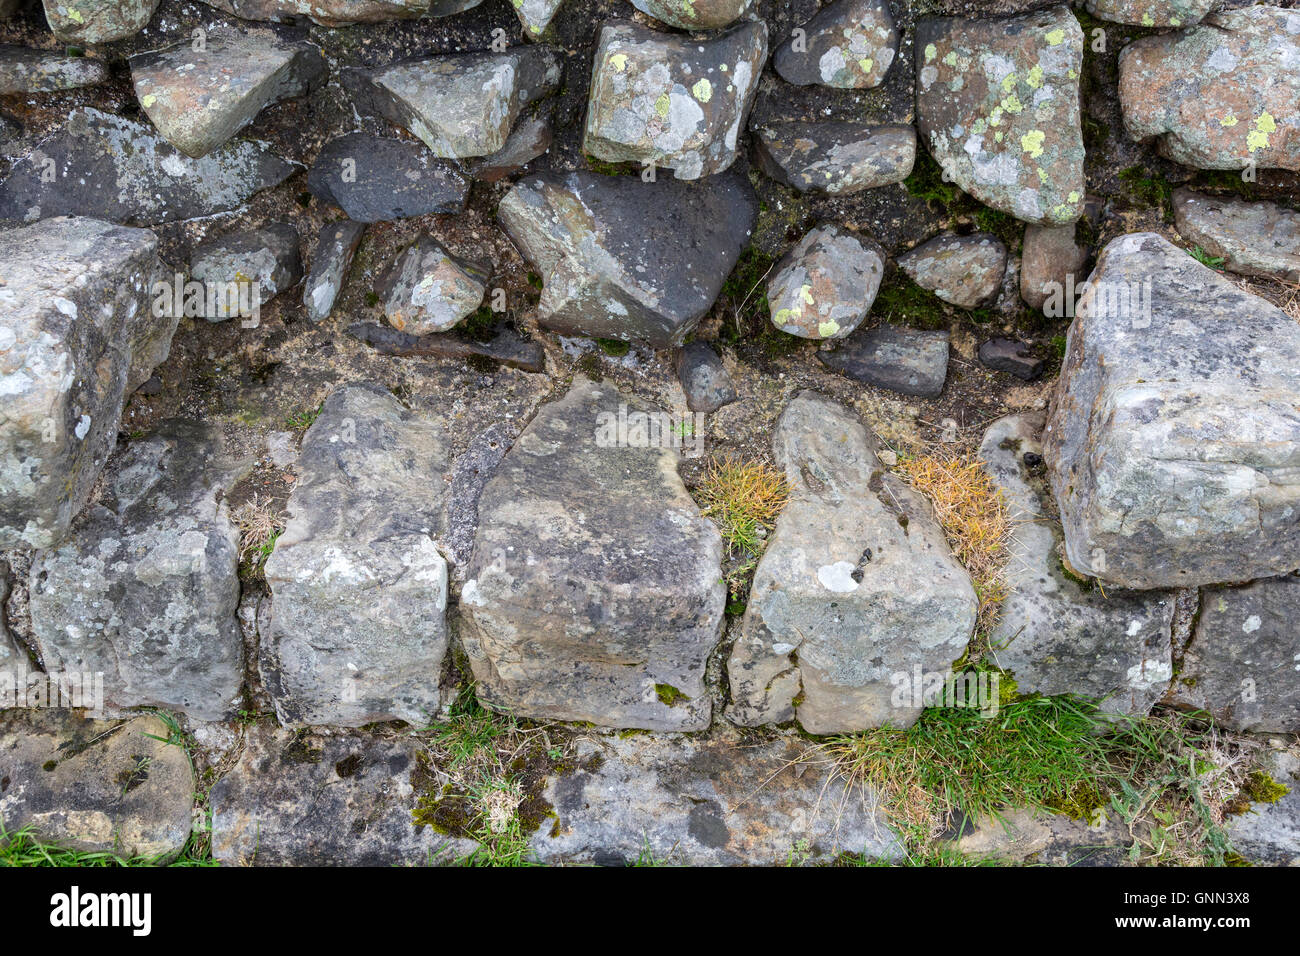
point(1252, 238)
point(835, 157)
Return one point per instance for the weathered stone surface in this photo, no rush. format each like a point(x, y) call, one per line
point(430, 290)
point(834, 157)
point(965, 271)
point(909, 361)
point(459, 105)
point(704, 379)
point(266, 257)
point(77, 336)
point(694, 14)
point(13, 658)
point(373, 179)
point(329, 267)
point(359, 588)
point(506, 346)
point(1243, 662)
point(626, 259)
point(536, 15)
point(826, 283)
point(1048, 260)
point(120, 170)
point(857, 587)
point(671, 101)
point(146, 588)
point(531, 138)
point(723, 800)
point(1223, 95)
point(337, 13)
point(594, 591)
point(1269, 833)
point(199, 99)
point(34, 71)
point(997, 103)
point(1252, 238)
point(849, 44)
point(1152, 13)
point(1013, 357)
point(1053, 635)
point(97, 21)
point(1174, 437)
point(95, 785)
point(1046, 839)
point(299, 798)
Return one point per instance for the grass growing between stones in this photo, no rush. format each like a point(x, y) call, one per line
point(744, 499)
point(259, 528)
point(974, 517)
point(1170, 780)
point(23, 847)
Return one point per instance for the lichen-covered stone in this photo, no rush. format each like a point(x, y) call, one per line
point(1269, 833)
point(146, 588)
point(1051, 262)
point(329, 267)
point(1152, 13)
point(671, 101)
point(835, 157)
point(99, 786)
point(78, 334)
point(1242, 664)
point(826, 283)
point(856, 588)
point(626, 259)
point(339, 13)
point(430, 290)
point(373, 179)
point(907, 361)
point(594, 590)
point(1173, 441)
point(1053, 634)
point(97, 21)
point(34, 71)
point(530, 138)
point(459, 105)
point(268, 258)
point(358, 626)
point(849, 44)
point(721, 800)
point(117, 169)
point(199, 98)
point(536, 15)
point(1222, 95)
point(1252, 238)
point(694, 14)
point(997, 103)
point(965, 271)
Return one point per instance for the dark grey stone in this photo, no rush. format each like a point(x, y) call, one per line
point(1013, 357)
point(394, 179)
point(909, 361)
point(704, 379)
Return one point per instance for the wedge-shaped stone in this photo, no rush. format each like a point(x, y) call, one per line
point(1053, 634)
point(594, 590)
point(1252, 238)
point(120, 170)
point(536, 15)
point(23, 70)
point(626, 259)
point(856, 590)
point(146, 588)
point(200, 98)
point(833, 157)
point(670, 101)
point(1173, 441)
point(338, 13)
point(373, 179)
point(997, 103)
point(78, 334)
point(1243, 662)
point(430, 290)
point(1222, 95)
point(849, 44)
point(335, 248)
point(267, 258)
point(966, 271)
point(98, 21)
point(359, 588)
point(459, 105)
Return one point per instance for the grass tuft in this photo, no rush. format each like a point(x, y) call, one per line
point(259, 528)
point(744, 499)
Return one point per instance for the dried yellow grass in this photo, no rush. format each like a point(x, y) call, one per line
point(974, 516)
point(744, 499)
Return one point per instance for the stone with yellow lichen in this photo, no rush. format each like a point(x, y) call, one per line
point(826, 284)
